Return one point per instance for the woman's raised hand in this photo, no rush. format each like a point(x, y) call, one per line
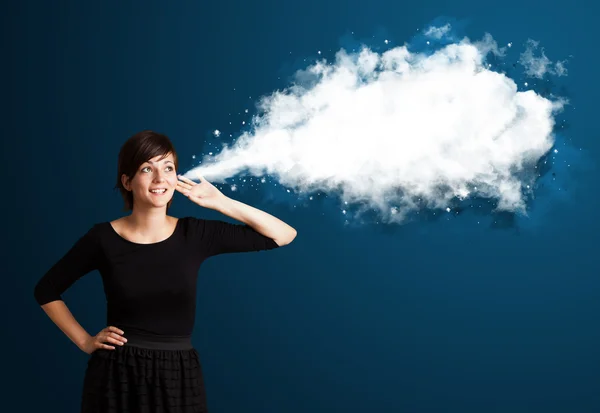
point(109, 334)
point(204, 193)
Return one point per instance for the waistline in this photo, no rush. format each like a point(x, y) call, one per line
point(158, 342)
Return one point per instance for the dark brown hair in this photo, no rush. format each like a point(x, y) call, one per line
point(138, 149)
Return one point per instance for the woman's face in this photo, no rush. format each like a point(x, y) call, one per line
point(154, 182)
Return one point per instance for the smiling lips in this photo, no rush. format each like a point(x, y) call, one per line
point(158, 191)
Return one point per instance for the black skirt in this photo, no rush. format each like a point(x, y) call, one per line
point(148, 374)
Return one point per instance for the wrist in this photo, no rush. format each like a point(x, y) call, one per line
point(224, 205)
point(81, 342)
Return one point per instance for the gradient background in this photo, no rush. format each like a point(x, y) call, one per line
point(445, 316)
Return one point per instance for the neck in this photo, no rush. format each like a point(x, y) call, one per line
point(149, 220)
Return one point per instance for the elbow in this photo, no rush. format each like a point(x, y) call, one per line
point(43, 296)
point(288, 238)
point(37, 294)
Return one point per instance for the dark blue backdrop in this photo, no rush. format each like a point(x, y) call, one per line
point(447, 316)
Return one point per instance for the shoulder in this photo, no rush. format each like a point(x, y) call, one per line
point(90, 239)
point(192, 223)
point(102, 230)
point(188, 222)
point(203, 223)
point(200, 226)
point(97, 231)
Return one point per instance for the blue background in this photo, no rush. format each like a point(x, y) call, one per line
point(445, 315)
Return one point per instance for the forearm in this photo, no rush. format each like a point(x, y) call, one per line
point(261, 221)
point(62, 317)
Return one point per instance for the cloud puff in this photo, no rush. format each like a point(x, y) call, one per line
point(398, 131)
point(538, 66)
point(437, 32)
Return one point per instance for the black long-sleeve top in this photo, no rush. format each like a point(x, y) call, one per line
point(150, 288)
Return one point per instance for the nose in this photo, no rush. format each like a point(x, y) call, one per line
point(159, 176)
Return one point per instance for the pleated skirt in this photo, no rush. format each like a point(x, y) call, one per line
point(148, 374)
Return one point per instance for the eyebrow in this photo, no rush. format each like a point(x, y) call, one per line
point(152, 163)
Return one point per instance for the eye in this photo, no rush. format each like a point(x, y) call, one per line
point(170, 168)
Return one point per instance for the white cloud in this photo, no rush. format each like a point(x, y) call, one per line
point(539, 66)
point(437, 32)
point(391, 131)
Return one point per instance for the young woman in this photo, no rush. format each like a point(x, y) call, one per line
point(144, 361)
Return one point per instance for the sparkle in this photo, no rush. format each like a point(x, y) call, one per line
point(217, 133)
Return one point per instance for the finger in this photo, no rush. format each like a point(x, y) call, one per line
point(185, 192)
point(108, 339)
point(118, 337)
point(115, 329)
point(100, 344)
point(187, 180)
point(184, 185)
point(113, 341)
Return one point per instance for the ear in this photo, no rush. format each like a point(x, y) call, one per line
point(125, 182)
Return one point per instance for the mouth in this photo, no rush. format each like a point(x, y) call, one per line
point(158, 191)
